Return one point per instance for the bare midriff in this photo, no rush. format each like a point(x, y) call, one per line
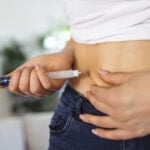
point(128, 56)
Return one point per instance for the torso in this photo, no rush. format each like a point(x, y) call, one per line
point(129, 56)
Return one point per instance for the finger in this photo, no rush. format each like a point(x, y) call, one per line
point(114, 78)
point(25, 80)
point(98, 104)
point(114, 99)
point(47, 83)
point(14, 82)
point(100, 121)
point(117, 134)
point(35, 86)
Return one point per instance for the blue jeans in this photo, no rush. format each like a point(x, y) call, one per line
point(68, 132)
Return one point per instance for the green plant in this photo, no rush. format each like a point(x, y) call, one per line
point(13, 57)
point(31, 104)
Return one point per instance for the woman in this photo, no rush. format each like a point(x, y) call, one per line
point(111, 35)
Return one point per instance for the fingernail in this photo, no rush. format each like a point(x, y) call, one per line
point(22, 67)
point(81, 117)
point(37, 67)
point(103, 72)
point(94, 132)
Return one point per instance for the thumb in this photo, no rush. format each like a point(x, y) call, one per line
point(116, 78)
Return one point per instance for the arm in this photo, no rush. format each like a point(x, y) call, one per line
point(31, 78)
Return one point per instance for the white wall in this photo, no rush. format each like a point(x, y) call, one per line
point(24, 19)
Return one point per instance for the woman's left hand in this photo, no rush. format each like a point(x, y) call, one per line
point(126, 103)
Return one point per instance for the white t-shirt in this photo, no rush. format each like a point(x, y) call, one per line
point(96, 21)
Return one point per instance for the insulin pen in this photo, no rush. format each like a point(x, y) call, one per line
point(4, 81)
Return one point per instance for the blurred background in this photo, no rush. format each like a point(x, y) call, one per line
point(28, 29)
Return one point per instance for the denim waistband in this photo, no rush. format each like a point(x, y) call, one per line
point(77, 102)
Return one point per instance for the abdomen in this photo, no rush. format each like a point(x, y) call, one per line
point(128, 56)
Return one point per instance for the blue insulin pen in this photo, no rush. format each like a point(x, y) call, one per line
point(4, 81)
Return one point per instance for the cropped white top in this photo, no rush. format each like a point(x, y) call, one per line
point(96, 21)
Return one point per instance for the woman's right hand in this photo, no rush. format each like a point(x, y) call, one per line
point(31, 78)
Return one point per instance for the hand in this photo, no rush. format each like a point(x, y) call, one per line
point(126, 102)
point(31, 78)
